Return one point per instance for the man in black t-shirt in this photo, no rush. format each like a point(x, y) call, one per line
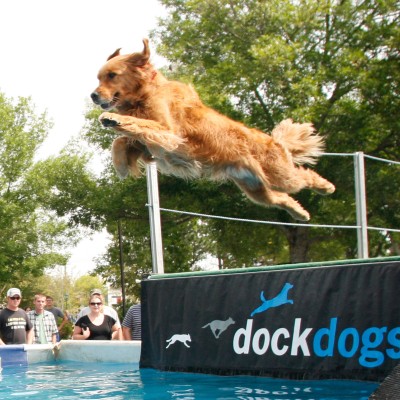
point(15, 326)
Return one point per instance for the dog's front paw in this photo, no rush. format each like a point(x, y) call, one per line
point(109, 120)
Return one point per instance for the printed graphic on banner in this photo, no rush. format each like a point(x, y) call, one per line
point(303, 341)
point(337, 321)
point(323, 342)
point(217, 327)
point(183, 338)
point(279, 300)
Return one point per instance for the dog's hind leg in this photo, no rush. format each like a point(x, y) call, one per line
point(311, 180)
point(260, 194)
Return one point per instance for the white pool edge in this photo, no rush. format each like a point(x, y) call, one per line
point(85, 351)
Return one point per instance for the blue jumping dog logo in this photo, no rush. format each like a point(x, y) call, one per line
point(278, 300)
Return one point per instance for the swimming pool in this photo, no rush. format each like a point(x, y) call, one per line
point(71, 380)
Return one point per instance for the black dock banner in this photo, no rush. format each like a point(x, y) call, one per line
point(337, 321)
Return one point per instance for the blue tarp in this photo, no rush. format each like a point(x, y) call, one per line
point(13, 355)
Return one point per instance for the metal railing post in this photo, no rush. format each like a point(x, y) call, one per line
point(361, 205)
point(155, 220)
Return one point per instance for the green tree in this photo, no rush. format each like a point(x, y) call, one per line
point(31, 238)
point(335, 63)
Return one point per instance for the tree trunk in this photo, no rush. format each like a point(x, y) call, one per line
point(299, 244)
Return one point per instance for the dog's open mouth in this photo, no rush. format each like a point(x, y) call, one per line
point(105, 104)
point(111, 104)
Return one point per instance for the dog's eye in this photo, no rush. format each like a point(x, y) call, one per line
point(112, 75)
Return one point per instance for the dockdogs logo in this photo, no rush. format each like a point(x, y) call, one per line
point(369, 346)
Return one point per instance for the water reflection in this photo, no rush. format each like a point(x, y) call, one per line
point(69, 380)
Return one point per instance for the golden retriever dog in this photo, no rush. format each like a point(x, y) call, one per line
point(165, 121)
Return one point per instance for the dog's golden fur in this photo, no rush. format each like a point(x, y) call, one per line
point(166, 121)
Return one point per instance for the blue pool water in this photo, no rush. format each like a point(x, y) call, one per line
point(71, 380)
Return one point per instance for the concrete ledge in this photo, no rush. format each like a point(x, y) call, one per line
point(85, 351)
point(39, 353)
point(100, 351)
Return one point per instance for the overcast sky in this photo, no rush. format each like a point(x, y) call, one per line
point(51, 50)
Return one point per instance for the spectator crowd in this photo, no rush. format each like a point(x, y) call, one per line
point(43, 322)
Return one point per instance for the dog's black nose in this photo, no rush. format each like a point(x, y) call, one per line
point(95, 97)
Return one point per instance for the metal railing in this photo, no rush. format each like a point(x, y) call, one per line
point(360, 200)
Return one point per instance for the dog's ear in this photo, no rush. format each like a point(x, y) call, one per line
point(146, 49)
point(141, 59)
point(115, 54)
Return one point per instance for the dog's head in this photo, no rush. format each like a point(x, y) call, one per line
point(122, 78)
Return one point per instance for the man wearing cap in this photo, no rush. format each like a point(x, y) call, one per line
point(15, 326)
point(107, 310)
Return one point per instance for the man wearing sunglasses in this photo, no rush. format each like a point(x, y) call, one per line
point(15, 326)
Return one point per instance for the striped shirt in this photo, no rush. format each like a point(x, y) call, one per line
point(133, 321)
point(49, 323)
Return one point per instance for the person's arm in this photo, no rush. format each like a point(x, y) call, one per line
point(64, 321)
point(53, 330)
point(1, 342)
point(127, 333)
point(54, 338)
point(29, 336)
point(116, 332)
point(127, 325)
point(80, 334)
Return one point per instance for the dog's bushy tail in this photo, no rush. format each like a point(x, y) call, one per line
point(300, 140)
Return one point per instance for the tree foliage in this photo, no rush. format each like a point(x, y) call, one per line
point(329, 62)
point(31, 237)
point(334, 63)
